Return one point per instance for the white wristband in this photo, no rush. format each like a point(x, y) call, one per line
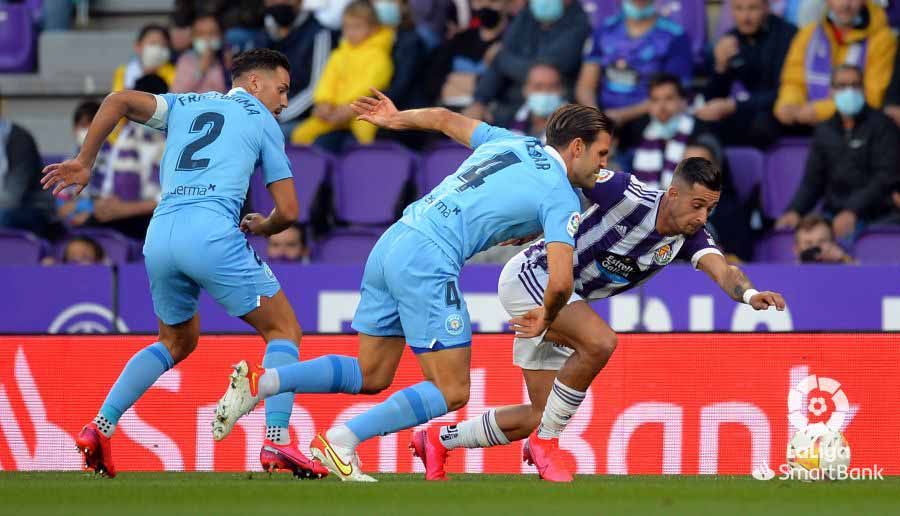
point(750, 292)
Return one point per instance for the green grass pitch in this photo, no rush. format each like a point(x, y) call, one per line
point(255, 494)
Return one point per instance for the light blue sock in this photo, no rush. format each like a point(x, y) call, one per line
point(279, 352)
point(331, 373)
point(404, 409)
point(139, 374)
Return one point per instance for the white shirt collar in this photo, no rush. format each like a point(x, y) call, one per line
point(555, 155)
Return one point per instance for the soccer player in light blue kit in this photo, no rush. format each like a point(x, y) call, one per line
point(510, 187)
point(194, 241)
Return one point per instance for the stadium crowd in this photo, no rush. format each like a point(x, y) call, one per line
point(821, 74)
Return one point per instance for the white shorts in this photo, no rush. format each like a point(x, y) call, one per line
point(521, 288)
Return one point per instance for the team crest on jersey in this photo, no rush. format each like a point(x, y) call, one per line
point(663, 255)
point(573, 224)
point(454, 324)
point(605, 175)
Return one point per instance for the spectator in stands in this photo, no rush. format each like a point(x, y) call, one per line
point(327, 12)
point(432, 19)
point(853, 32)
point(457, 65)
point(361, 61)
point(76, 211)
point(814, 242)
point(667, 128)
point(624, 54)
point(242, 23)
point(892, 95)
point(746, 68)
point(543, 94)
point(852, 162)
point(23, 202)
point(180, 35)
point(130, 189)
point(152, 56)
point(408, 54)
point(307, 45)
point(730, 220)
point(288, 246)
point(82, 250)
point(550, 31)
point(205, 67)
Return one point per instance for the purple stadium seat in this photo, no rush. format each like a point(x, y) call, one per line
point(776, 247)
point(118, 248)
point(311, 166)
point(439, 163)
point(879, 244)
point(368, 181)
point(690, 14)
point(16, 38)
point(20, 247)
point(747, 166)
point(782, 176)
point(346, 247)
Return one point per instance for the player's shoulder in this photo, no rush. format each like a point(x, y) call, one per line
point(638, 191)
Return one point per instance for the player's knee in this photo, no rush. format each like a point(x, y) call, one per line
point(180, 347)
point(375, 382)
point(599, 348)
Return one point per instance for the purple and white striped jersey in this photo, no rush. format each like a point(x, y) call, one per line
point(617, 247)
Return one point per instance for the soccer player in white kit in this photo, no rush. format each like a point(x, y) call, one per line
point(627, 236)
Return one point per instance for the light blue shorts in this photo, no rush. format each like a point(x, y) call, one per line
point(410, 289)
point(199, 248)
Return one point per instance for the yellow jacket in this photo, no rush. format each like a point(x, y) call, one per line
point(878, 66)
point(166, 72)
point(351, 70)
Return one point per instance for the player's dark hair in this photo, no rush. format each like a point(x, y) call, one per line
point(93, 244)
point(576, 121)
point(699, 171)
point(86, 109)
point(661, 79)
point(153, 27)
point(151, 83)
point(258, 59)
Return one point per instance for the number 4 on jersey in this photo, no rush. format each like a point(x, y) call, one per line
point(474, 176)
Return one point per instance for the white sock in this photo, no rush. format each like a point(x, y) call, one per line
point(269, 383)
point(278, 435)
point(562, 404)
point(105, 426)
point(343, 438)
point(479, 432)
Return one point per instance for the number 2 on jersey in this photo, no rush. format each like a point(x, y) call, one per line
point(186, 161)
point(474, 176)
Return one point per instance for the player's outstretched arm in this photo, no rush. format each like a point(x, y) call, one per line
point(134, 105)
point(735, 283)
point(382, 112)
point(556, 294)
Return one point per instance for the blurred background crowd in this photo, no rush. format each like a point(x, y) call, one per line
point(798, 101)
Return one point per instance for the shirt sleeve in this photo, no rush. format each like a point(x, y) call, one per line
point(486, 132)
point(609, 188)
point(274, 161)
point(697, 246)
point(560, 214)
point(160, 118)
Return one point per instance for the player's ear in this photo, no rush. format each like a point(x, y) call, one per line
point(577, 147)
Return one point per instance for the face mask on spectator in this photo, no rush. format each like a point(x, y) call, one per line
point(202, 45)
point(80, 135)
point(488, 17)
point(633, 12)
point(849, 101)
point(154, 56)
point(543, 104)
point(388, 13)
point(282, 14)
point(546, 11)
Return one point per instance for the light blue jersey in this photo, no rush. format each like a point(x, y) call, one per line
point(214, 143)
point(193, 242)
point(510, 187)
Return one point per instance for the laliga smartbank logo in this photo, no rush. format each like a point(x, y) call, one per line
point(817, 411)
